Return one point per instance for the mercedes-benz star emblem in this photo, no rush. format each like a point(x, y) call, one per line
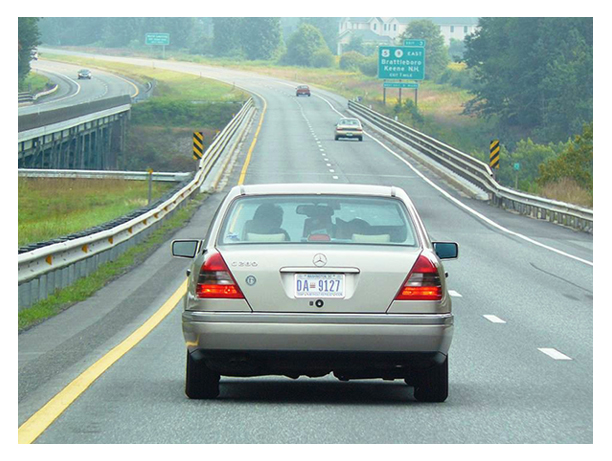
point(319, 260)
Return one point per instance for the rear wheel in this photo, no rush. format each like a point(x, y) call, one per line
point(360, 138)
point(337, 137)
point(200, 381)
point(432, 384)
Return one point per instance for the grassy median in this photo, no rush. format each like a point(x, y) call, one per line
point(86, 286)
point(54, 207)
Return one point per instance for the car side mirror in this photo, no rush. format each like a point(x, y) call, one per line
point(185, 248)
point(446, 250)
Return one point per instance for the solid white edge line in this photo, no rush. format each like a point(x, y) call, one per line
point(554, 353)
point(465, 207)
point(454, 294)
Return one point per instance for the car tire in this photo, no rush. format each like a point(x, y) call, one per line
point(360, 138)
point(336, 137)
point(432, 384)
point(200, 381)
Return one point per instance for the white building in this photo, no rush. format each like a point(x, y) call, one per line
point(384, 31)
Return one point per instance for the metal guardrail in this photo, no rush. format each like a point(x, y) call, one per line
point(38, 120)
point(37, 263)
point(103, 174)
point(25, 97)
point(479, 174)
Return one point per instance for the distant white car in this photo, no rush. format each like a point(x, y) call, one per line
point(349, 128)
point(311, 279)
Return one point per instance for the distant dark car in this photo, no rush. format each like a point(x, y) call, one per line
point(302, 90)
point(84, 73)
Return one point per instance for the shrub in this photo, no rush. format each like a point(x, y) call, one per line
point(369, 66)
point(351, 60)
point(323, 58)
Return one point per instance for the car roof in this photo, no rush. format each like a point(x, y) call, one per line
point(324, 189)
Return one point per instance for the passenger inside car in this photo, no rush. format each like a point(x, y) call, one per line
point(266, 225)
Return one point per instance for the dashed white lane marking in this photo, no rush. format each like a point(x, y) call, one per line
point(454, 294)
point(494, 319)
point(328, 164)
point(335, 177)
point(554, 353)
point(461, 205)
point(332, 171)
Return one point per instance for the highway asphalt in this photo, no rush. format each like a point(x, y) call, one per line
point(521, 362)
point(73, 91)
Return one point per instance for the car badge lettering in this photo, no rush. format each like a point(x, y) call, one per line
point(244, 264)
point(319, 260)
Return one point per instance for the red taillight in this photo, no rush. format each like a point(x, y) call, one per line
point(215, 279)
point(423, 283)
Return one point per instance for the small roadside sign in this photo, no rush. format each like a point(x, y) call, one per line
point(414, 42)
point(408, 85)
point(198, 145)
point(494, 154)
point(157, 39)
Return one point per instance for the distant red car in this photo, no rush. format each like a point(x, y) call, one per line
point(302, 90)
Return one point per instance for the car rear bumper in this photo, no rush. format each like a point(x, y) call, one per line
point(405, 333)
point(349, 134)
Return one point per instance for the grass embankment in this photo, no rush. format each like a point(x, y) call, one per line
point(34, 83)
point(85, 287)
point(53, 207)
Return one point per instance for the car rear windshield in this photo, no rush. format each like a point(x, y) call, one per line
point(317, 219)
point(349, 122)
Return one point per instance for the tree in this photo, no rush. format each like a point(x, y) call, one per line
point(436, 53)
point(456, 49)
point(28, 39)
point(355, 44)
point(260, 37)
point(328, 28)
point(534, 74)
point(226, 36)
point(303, 44)
point(576, 163)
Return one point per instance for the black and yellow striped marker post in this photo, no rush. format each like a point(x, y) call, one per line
point(494, 155)
point(198, 145)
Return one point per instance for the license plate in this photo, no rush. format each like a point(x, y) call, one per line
point(319, 285)
point(349, 134)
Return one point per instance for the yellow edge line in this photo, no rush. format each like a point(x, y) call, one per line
point(248, 157)
point(32, 429)
point(42, 419)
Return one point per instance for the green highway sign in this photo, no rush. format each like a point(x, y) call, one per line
point(414, 42)
point(157, 39)
point(413, 86)
point(401, 62)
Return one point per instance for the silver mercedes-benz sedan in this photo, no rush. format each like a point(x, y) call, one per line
point(311, 279)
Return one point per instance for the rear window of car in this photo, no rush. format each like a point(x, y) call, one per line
point(348, 121)
point(306, 219)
